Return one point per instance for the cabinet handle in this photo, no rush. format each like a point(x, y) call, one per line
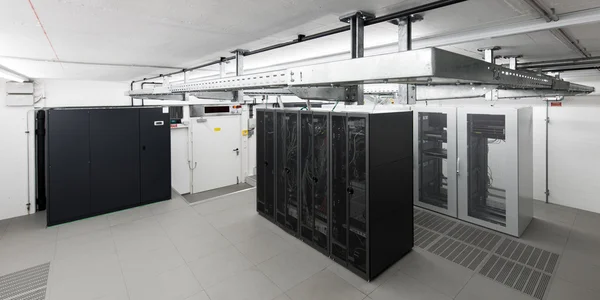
point(315, 179)
point(266, 163)
point(287, 171)
point(458, 165)
point(350, 190)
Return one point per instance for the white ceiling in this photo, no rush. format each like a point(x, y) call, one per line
point(182, 33)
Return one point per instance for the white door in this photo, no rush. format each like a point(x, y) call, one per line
point(217, 152)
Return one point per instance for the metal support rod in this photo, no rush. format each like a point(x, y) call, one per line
point(238, 96)
point(406, 92)
point(357, 42)
point(560, 63)
point(380, 19)
point(547, 160)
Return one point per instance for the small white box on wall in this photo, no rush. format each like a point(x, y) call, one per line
point(19, 100)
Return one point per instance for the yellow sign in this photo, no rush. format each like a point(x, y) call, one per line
point(217, 129)
point(244, 132)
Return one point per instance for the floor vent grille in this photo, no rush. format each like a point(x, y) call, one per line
point(27, 284)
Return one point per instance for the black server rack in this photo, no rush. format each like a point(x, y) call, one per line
point(371, 190)
point(155, 155)
point(314, 179)
point(265, 163)
point(287, 169)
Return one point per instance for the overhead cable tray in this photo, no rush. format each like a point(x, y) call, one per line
point(429, 66)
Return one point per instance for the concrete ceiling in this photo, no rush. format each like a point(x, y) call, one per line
point(182, 33)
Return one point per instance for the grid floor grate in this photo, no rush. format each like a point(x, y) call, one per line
point(433, 222)
point(475, 236)
point(27, 284)
point(424, 237)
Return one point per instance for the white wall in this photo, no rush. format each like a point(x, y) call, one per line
point(16, 155)
point(13, 158)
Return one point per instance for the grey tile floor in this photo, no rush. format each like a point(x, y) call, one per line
point(223, 250)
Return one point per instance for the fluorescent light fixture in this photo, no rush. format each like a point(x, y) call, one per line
point(12, 76)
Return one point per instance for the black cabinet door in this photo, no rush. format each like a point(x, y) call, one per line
point(339, 175)
point(115, 159)
point(269, 170)
point(155, 162)
point(68, 169)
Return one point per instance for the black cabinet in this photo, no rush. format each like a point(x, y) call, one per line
point(115, 159)
point(265, 163)
point(68, 165)
point(155, 155)
point(372, 221)
point(314, 178)
point(100, 160)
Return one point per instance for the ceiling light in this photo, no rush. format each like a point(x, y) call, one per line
point(12, 76)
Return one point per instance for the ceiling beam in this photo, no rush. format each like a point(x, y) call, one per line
point(89, 63)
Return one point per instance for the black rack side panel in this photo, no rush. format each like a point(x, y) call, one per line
point(155, 157)
point(390, 189)
point(269, 170)
point(115, 159)
point(68, 169)
point(40, 160)
point(261, 162)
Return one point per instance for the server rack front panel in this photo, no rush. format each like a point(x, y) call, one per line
point(269, 165)
point(339, 193)
point(291, 171)
point(155, 157)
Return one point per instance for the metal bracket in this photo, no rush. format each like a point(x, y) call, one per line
point(230, 96)
point(346, 94)
point(489, 53)
point(357, 33)
point(239, 70)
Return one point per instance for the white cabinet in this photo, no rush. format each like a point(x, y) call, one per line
point(495, 167)
point(435, 158)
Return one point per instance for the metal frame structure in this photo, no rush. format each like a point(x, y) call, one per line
point(423, 67)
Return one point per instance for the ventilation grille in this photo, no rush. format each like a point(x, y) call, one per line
point(28, 284)
point(433, 222)
point(424, 237)
point(458, 252)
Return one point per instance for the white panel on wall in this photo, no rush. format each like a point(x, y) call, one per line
point(69, 93)
point(573, 154)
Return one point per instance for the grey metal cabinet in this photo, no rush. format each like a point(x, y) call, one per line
point(435, 154)
point(495, 170)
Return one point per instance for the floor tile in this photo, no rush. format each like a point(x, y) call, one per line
point(199, 246)
point(3, 226)
point(243, 230)
point(129, 215)
point(219, 266)
point(175, 284)
point(162, 207)
point(282, 297)
point(403, 287)
point(16, 257)
point(85, 278)
point(554, 213)
point(138, 236)
point(29, 234)
point(200, 296)
point(576, 269)
point(480, 287)
point(587, 222)
point(263, 247)
point(92, 243)
point(584, 245)
point(250, 284)
point(325, 285)
point(561, 290)
point(150, 263)
point(547, 235)
point(79, 227)
point(183, 224)
point(233, 215)
point(366, 287)
point(436, 272)
point(292, 267)
point(216, 205)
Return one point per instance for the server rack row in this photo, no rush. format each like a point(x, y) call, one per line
point(341, 182)
point(476, 164)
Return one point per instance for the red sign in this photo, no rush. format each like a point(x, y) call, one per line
point(557, 104)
